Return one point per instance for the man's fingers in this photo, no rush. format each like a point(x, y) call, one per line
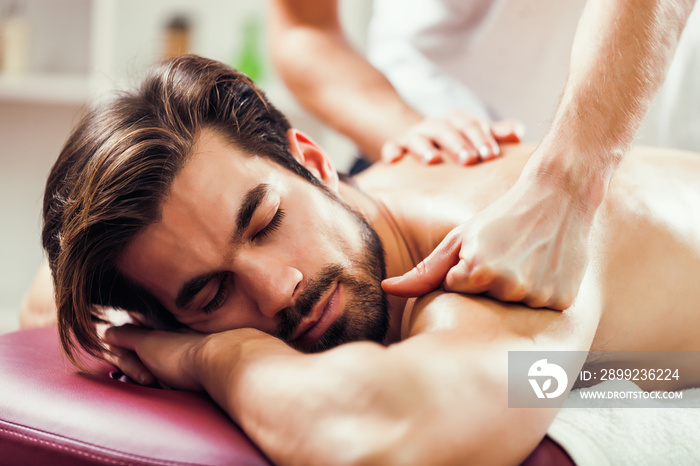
point(429, 273)
point(125, 336)
point(128, 362)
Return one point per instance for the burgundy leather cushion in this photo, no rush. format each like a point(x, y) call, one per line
point(548, 453)
point(52, 414)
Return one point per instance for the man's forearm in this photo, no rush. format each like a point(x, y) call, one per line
point(331, 79)
point(621, 52)
point(412, 401)
point(336, 407)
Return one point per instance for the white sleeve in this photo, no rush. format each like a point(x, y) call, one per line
point(421, 83)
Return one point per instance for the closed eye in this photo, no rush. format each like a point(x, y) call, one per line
point(221, 293)
point(270, 227)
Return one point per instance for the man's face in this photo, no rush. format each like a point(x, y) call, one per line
point(242, 242)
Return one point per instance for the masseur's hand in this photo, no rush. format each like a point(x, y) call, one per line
point(146, 355)
point(458, 137)
point(529, 246)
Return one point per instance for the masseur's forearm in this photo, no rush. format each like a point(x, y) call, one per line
point(621, 52)
point(331, 79)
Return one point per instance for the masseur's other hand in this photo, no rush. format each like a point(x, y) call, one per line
point(458, 137)
point(529, 246)
point(146, 355)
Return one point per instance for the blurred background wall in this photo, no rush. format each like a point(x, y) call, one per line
point(56, 57)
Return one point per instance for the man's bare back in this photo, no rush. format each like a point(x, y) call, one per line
point(642, 277)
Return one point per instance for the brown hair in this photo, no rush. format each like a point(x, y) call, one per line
point(116, 169)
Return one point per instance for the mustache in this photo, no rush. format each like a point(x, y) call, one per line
point(307, 300)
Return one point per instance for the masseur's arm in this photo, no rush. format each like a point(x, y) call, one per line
point(531, 245)
point(438, 397)
point(332, 80)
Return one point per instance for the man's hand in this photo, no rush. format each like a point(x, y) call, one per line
point(458, 137)
point(146, 355)
point(529, 246)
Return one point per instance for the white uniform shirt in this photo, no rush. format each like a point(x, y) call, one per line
point(509, 59)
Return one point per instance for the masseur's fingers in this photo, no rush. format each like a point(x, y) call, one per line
point(458, 137)
point(422, 146)
point(476, 278)
point(430, 272)
point(508, 130)
point(392, 152)
point(477, 132)
point(453, 144)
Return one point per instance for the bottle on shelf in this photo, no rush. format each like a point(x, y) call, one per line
point(250, 58)
point(15, 41)
point(178, 32)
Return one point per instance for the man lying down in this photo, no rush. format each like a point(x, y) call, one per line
point(191, 202)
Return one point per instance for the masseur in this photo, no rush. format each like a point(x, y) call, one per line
point(620, 54)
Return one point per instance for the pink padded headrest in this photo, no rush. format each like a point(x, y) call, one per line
point(52, 414)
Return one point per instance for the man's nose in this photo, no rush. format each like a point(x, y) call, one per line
point(269, 282)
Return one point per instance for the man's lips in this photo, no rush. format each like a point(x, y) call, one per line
point(313, 326)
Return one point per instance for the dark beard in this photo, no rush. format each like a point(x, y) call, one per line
point(366, 312)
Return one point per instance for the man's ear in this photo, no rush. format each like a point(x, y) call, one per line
point(313, 158)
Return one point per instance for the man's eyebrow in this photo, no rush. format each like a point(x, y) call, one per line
point(250, 204)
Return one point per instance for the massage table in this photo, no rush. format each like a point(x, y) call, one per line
point(52, 414)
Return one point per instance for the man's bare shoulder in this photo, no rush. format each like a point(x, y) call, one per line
point(482, 321)
point(503, 171)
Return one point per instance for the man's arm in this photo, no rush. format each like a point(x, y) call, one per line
point(531, 245)
point(438, 397)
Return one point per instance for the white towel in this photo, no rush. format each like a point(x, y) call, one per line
point(594, 433)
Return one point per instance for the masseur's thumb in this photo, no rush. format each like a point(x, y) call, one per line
point(429, 273)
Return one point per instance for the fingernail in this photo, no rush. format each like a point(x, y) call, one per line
point(146, 379)
point(483, 150)
point(393, 281)
point(428, 156)
point(463, 156)
point(502, 129)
